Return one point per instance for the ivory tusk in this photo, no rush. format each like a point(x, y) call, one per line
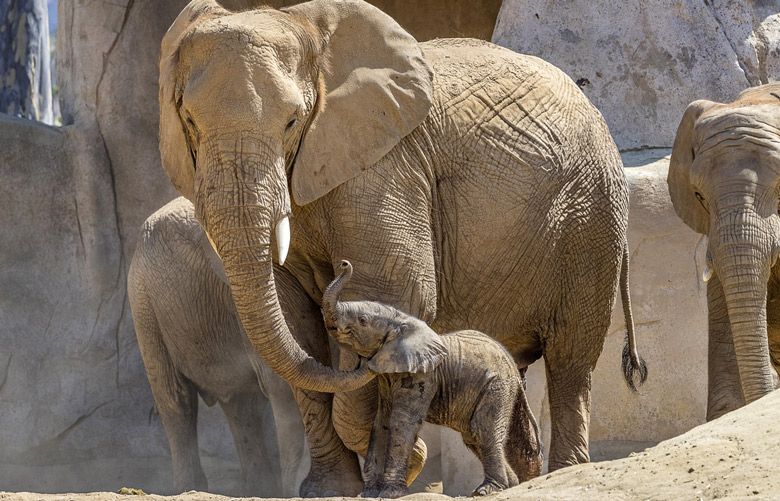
point(213, 245)
point(282, 233)
point(707, 273)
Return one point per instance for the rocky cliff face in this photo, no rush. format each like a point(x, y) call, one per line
point(642, 62)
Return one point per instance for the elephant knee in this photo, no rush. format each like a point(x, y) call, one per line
point(355, 438)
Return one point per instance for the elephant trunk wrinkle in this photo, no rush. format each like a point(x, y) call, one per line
point(742, 253)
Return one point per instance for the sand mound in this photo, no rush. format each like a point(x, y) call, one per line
point(732, 457)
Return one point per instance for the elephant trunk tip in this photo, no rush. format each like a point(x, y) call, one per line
point(632, 363)
point(330, 298)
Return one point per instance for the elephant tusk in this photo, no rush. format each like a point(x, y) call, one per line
point(707, 273)
point(282, 233)
point(212, 244)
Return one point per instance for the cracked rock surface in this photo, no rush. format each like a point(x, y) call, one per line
point(641, 63)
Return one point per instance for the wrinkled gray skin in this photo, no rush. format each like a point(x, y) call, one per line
point(192, 344)
point(463, 380)
point(474, 187)
point(724, 181)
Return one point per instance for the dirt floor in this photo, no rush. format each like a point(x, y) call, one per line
point(734, 457)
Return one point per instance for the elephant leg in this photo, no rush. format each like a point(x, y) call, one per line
point(571, 350)
point(175, 398)
point(180, 423)
point(354, 411)
point(334, 470)
point(259, 466)
point(489, 425)
point(724, 389)
point(568, 386)
point(353, 414)
point(410, 398)
point(289, 433)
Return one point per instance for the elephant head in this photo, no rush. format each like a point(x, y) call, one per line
point(724, 182)
point(264, 108)
point(392, 341)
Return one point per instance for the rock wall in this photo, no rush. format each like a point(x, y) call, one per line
point(642, 63)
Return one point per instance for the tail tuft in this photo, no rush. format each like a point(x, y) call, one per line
point(631, 364)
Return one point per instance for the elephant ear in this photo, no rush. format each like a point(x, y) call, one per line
point(177, 158)
point(681, 191)
point(378, 88)
point(413, 349)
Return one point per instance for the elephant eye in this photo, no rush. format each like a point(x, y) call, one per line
point(363, 320)
point(291, 124)
point(701, 200)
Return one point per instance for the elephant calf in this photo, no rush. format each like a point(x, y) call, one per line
point(464, 380)
point(192, 344)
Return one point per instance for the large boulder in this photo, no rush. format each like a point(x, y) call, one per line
point(642, 63)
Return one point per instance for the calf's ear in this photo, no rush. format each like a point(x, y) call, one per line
point(413, 349)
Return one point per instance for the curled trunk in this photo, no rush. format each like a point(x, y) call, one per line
point(330, 298)
point(238, 216)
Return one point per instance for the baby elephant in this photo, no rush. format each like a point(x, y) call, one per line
point(463, 380)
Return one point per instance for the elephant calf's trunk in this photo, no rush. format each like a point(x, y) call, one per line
point(331, 295)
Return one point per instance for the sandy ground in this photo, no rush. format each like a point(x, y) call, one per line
point(734, 457)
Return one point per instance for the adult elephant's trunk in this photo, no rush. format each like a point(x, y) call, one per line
point(742, 255)
point(330, 298)
point(244, 195)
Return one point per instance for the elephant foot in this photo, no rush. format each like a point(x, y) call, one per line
point(340, 480)
point(487, 487)
point(193, 482)
point(387, 491)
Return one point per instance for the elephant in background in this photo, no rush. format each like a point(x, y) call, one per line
point(192, 344)
point(473, 187)
point(724, 182)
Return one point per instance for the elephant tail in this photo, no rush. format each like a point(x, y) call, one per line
point(631, 362)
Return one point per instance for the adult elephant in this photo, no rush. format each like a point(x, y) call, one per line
point(470, 186)
point(723, 180)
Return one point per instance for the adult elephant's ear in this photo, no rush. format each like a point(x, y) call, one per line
point(378, 88)
point(175, 153)
point(681, 190)
point(412, 349)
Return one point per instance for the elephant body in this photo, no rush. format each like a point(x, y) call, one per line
point(473, 188)
point(463, 380)
point(192, 344)
point(499, 231)
point(723, 179)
